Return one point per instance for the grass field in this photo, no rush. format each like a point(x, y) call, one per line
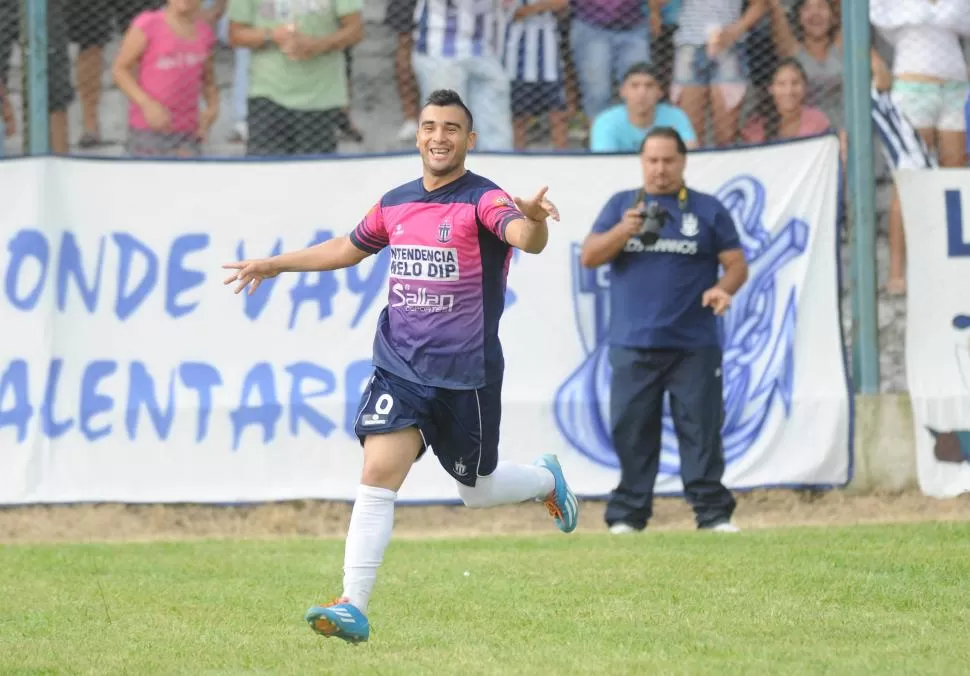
point(871, 599)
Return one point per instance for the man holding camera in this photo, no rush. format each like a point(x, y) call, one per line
point(665, 243)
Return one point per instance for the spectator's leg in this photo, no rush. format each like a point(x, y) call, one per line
point(400, 20)
point(896, 284)
point(636, 407)
point(60, 93)
point(489, 98)
point(952, 126)
point(697, 407)
point(627, 48)
point(689, 89)
point(662, 53)
point(591, 54)
point(558, 116)
point(727, 94)
point(407, 87)
point(315, 131)
point(569, 68)
point(89, 27)
point(520, 113)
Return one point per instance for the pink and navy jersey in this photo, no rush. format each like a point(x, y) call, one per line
point(449, 265)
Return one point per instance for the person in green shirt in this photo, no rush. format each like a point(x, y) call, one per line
point(298, 79)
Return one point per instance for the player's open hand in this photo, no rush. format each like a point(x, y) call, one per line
point(538, 208)
point(250, 273)
point(717, 299)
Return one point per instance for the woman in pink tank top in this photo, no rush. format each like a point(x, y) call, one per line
point(164, 67)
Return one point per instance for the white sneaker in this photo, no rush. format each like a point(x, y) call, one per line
point(725, 527)
point(620, 528)
point(407, 131)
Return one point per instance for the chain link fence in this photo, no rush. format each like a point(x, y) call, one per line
point(298, 77)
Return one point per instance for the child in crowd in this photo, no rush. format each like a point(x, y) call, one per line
point(164, 66)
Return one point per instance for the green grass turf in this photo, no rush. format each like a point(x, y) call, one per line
point(888, 599)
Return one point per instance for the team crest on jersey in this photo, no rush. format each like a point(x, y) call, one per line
point(444, 232)
point(689, 226)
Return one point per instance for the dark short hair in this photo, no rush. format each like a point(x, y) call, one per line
point(641, 68)
point(668, 133)
point(449, 97)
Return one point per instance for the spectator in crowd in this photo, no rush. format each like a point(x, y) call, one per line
point(930, 82)
point(457, 46)
point(607, 37)
point(788, 116)
point(710, 69)
point(163, 66)
point(534, 68)
point(60, 93)
point(812, 36)
point(89, 25)
point(623, 127)
point(400, 19)
point(298, 77)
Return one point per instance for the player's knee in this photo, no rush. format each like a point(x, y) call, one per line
point(477, 496)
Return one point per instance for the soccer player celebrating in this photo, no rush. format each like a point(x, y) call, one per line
point(438, 363)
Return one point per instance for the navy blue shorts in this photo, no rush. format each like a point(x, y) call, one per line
point(537, 98)
point(460, 426)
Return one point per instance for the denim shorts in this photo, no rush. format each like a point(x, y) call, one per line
point(693, 67)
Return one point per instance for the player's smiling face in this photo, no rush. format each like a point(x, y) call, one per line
point(444, 139)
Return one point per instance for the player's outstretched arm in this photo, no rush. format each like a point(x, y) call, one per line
point(531, 233)
point(333, 254)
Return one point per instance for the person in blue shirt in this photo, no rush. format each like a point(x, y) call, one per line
point(623, 127)
point(665, 297)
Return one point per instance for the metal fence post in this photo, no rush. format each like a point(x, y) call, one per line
point(861, 191)
point(35, 66)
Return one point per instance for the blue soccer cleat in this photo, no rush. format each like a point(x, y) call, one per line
point(339, 619)
point(562, 503)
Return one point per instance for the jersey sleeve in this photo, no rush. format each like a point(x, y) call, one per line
point(496, 210)
point(725, 233)
point(610, 214)
point(370, 235)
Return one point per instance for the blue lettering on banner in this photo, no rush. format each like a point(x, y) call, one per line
point(158, 398)
point(103, 397)
point(957, 245)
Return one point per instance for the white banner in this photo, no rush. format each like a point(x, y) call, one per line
point(128, 372)
point(935, 204)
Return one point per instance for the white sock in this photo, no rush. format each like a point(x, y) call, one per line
point(371, 522)
point(508, 484)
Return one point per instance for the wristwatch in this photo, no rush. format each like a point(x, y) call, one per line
point(267, 36)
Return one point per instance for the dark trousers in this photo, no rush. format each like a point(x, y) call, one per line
point(693, 381)
point(277, 131)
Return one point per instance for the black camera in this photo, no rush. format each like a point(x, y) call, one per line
point(653, 216)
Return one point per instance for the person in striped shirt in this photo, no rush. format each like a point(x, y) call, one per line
point(457, 46)
point(533, 64)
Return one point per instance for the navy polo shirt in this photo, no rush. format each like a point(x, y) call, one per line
point(655, 292)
